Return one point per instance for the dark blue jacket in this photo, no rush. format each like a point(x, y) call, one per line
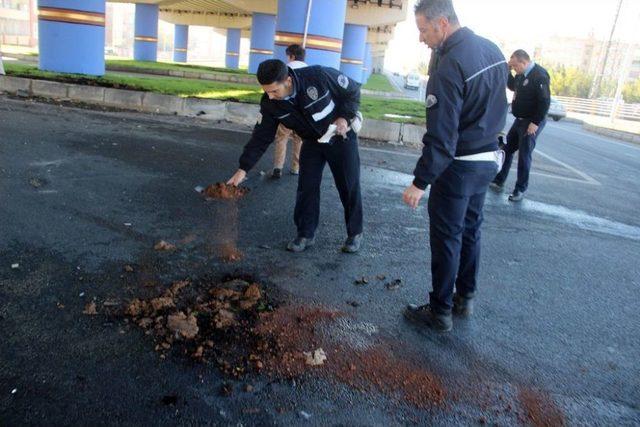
point(322, 95)
point(466, 103)
point(532, 97)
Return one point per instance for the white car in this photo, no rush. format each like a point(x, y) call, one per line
point(556, 110)
point(412, 81)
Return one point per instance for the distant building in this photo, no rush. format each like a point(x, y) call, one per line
point(18, 22)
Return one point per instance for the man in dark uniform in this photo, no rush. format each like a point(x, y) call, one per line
point(466, 109)
point(531, 100)
point(312, 101)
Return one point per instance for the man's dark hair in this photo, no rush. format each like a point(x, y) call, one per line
point(521, 55)
point(296, 51)
point(434, 9)
point(271, 71)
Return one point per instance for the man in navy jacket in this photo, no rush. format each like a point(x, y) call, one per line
point(466, 110)
point(308, 100)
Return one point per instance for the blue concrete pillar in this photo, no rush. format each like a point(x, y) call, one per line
point(145, 45)
point(353, 51)
point(180, 43)
point(366, 69)
point(324, 35)
point(263, 31)
point(232, 59)
point(71, 36)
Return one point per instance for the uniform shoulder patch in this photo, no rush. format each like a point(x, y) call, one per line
point(431, 100)
point(343, 81)
point(312, 92)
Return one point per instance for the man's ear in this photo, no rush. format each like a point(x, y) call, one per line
point(444, 22)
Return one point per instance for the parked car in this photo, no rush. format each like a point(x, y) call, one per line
point(412, 81)
point(556, 110)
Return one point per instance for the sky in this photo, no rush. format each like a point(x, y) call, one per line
point(522, 23)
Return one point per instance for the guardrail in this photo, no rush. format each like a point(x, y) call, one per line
point(600, 108)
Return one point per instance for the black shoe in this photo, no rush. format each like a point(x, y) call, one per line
point(462, 306)
point(276, 174)
point(496, 186)
point(299, 244)
point(424, 315)
point(516, 196)
point(352, 244)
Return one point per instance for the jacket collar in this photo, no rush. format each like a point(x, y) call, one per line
point(455, 39)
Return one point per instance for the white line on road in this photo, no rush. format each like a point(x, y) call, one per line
point(586, 177)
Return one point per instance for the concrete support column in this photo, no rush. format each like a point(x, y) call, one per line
point(263, 31)
point(145, 45)
point(180, 43)
point(71, 36)
point(368, 63)
point(232, 59)
point(325, 29)
point(353, 51)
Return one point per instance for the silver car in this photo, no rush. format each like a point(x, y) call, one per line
point(556, 110)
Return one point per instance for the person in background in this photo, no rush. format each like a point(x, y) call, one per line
point(295, 56)
point(530, 105)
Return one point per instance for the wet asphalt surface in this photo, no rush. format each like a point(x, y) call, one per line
point(82, 193)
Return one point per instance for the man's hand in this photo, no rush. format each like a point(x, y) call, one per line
point(412, 196)
point(237, 177)
point(342, 127)
point(532, 129)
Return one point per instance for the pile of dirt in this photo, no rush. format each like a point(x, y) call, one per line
point(208, 322)
point(235, 326)
point(224, 191)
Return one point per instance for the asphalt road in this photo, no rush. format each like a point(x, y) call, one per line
point(85, 192)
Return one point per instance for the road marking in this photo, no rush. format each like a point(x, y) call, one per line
point(564, 178)
point(583, 175)
point(586, 179)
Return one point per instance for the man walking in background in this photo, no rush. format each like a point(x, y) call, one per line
point(531, 100)
point(295, 55)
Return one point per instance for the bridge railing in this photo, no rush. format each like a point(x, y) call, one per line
point(599, 107)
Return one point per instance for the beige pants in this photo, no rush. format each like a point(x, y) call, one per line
point(280, 150)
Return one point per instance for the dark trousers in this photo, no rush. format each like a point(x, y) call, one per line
point(455, 208)
point(344, 161)
point(518, 140)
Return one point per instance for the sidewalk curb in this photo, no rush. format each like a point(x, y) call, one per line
point(398, 134)
point(612, 133)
